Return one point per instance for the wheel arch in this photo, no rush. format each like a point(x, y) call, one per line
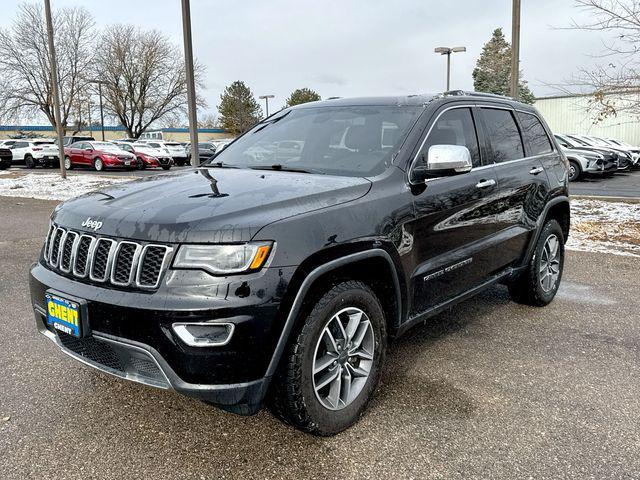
point(324, 274)
point(558, 209)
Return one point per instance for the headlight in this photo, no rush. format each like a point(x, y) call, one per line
point(223, 259)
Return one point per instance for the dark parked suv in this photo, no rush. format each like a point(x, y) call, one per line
point(280, 277)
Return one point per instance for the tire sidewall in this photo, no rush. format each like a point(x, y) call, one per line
point(333, 421)
point(551, 228)
point(98, 161)
point(29, 162)
point(576, 167)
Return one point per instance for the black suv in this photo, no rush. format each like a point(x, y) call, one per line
point(280, 277)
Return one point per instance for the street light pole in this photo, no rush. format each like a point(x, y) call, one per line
point(266, 101)
point(55, 87)
point(515, 48)
point(448, 51)
point(191, 84)
point(100, 82)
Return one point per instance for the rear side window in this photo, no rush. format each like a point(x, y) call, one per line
point(534, 134)
point(455, 127)
point(503, 134)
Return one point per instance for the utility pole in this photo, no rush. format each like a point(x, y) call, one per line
point(266, 102)
point(191, 84)
point(55, 87)
point(515, 48)
point(448, 51)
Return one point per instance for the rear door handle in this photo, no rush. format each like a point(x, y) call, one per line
point(536, 170)
point(486, 183)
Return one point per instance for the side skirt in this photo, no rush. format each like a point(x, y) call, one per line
point(421, 317)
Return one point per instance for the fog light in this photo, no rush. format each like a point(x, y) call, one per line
point(204, 334)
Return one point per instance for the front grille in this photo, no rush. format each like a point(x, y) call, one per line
point(122, 263)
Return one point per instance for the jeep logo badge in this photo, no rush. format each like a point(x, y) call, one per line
point(94, 224)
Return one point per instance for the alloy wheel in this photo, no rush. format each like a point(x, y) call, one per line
point(343, 358)
point(549, 270)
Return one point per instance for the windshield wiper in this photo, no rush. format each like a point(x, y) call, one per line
point(281, 168)
point(218, 165)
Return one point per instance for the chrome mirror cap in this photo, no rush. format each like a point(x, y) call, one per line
point(449, 157)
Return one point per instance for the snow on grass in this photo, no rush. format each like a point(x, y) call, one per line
point(50, 186)
point(606, 227)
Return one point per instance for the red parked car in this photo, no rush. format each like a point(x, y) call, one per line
point(99, 155)
point(147, 156)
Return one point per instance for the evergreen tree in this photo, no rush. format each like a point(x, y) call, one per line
point(239, 110)
point(302, 95)
point(493, 69)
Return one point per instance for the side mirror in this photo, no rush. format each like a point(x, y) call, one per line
point(89, 149)
point(443, 160)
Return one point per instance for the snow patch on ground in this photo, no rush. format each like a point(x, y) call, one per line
point(50, 186)
point(605, 227)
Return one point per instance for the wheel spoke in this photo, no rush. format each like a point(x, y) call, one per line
point(357, 371)
point(323, 362)
point(340, 326)
point(362, 354)
point(346, 386)
point(356, 341)
point(327, 378)
point(330, 341)
point(352, 325)
point(334, 389)
point(553, 247)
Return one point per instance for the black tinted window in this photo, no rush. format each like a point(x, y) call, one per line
point(454, 127)
point(534, 134)
point(503, 134)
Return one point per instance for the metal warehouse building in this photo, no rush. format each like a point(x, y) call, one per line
point(572, 114)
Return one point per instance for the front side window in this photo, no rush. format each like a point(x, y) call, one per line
point(453, 127)
point(503, 134)
point(535, 134)
point(347, 141)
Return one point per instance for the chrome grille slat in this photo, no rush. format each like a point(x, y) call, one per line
point(123, 263)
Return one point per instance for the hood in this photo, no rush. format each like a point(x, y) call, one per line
point(206, 204)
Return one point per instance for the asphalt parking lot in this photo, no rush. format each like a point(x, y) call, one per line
point(489, 389)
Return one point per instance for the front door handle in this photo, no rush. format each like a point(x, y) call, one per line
point(536, 170)
point(486, 183)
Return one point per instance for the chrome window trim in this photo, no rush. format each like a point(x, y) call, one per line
point(163, 266)
point(89, 256)
point(109, 260)
point(73, 250)
point(550, 136)
point(134, 263)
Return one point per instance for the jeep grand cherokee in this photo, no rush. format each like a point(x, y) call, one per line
point(274, 277)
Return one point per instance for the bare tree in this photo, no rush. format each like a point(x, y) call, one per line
point(616, 82)
point(25, 74)
point(209, 120)
point(144, 75)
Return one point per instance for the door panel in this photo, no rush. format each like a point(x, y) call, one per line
point(452, 230)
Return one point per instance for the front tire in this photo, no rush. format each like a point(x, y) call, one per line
point(29, 162)
point(575, 172)
point(539, 283)
point(332, 365)
point(98, 164)
point(140, 163)
point(166, 167)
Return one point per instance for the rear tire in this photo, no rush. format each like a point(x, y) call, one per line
point(29, 162)
point(539, 283)
point(321, 350)
point(166, 167)
point(67, 163)
point(98, 164)
point(575, 172)
point(140, 163)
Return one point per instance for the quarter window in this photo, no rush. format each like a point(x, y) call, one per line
point(503, 134)
point(534, 134)
point(454, 127)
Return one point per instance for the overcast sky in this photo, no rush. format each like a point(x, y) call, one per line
point(353, 47)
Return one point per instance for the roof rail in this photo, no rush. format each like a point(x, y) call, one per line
point(478, 94)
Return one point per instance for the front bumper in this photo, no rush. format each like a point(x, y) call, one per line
point(129, 334)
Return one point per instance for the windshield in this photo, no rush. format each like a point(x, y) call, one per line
point(349, 141)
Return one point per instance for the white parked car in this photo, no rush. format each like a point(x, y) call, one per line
point(175, 149)
point(35, 152)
